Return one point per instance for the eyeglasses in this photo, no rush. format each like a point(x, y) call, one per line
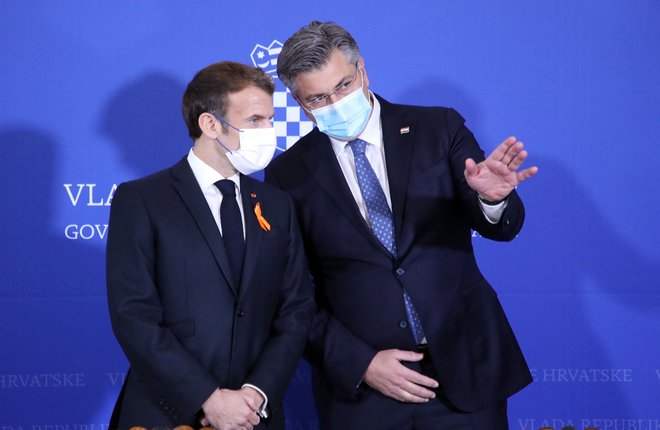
point(344, 88)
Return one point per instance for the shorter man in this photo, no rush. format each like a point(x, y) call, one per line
point(208, 288)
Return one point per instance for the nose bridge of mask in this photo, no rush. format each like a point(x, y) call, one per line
point(343, 101)
point(257, 137)
point(340, 110)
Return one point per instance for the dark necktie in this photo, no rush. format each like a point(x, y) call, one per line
point(232, 227)
point(380, 219)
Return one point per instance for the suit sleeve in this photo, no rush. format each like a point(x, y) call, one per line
point(280, 355)
point(343, 357)
point(331, 346)
point(463, 145)
point(156, 356)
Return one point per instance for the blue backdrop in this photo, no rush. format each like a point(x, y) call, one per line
point(91, 96)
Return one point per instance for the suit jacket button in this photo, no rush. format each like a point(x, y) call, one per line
point(403, 324)
point(240, 313)
point(400, 271)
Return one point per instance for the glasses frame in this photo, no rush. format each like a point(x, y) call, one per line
point(343, 89)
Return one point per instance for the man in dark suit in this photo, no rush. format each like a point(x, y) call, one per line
point(408, 333)
point(208, 287)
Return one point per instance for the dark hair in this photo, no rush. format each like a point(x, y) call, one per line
point(311, 47)
point(208, 90)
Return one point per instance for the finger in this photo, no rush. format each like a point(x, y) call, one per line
point(517, 161)
point(253, 419)
point(470, 167)
point(402, 355)
point(527, 173)
point(252, 403)
point(502, 148)
point(407, 397)
point(419, 379)
point(512, 153)
point(418, 390)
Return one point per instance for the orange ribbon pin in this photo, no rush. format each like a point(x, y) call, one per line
point(262, 221)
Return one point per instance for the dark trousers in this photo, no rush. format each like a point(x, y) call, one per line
point(375, 411)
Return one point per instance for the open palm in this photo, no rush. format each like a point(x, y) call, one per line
point(496, 176)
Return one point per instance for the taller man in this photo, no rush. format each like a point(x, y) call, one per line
point(208, 288)
point(408, 333)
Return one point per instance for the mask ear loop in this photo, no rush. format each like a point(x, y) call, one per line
point(231, 126)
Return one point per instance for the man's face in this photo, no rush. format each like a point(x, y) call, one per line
point(337, 73)
point(251, 107)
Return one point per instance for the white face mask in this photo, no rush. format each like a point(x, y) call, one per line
point(257, 147)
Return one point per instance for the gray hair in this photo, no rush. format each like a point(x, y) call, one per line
point(310, 48)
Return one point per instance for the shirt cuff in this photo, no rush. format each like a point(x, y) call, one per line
point(263, 413)
point(493, 213)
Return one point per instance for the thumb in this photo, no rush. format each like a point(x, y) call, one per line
point(470, 167)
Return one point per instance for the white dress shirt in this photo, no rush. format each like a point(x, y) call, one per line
point(206, 177)
point(375, 152)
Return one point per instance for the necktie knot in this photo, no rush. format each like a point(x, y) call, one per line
point(358, 146)
point(226, 187)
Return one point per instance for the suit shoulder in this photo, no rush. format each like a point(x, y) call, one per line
point(148, 186)
point(150, 179)
point(156, 178)
point(432, 113)
point(295, 152)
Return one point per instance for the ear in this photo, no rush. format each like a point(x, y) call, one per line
point(364, 73)
point(209, 125)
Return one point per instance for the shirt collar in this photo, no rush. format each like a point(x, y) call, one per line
point(206, 175)
point(371, 133)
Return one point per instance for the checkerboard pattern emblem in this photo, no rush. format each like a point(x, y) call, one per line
point(290, 122)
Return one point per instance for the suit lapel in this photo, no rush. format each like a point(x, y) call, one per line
point(398, 138)
point(322, 162)
point(188, 188)
point(253, 231)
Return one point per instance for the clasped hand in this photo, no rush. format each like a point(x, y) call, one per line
point(232, 409)
point(496, 176)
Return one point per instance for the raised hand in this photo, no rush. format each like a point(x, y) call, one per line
point(496, 176)
point(387, 375)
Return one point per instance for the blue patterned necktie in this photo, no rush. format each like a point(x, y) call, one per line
point(380, 219)
point(232, 227)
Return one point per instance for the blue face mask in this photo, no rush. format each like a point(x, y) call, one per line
point(346, 118)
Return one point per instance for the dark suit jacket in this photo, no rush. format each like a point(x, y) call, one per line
point(358, 284)
point(185, 328)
